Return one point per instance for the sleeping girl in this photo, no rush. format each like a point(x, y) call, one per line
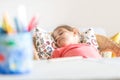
point(68, 44)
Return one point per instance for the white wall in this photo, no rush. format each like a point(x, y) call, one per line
point(80, 13)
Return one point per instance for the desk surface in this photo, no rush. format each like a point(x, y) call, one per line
point(71, 68)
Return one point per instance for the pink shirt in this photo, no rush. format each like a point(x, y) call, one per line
point(84, 50)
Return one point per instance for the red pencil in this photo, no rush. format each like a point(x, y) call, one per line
point(33, 23)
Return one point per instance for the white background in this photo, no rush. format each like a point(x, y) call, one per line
point(78, 13)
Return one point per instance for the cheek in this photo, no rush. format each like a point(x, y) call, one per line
point(69, 36)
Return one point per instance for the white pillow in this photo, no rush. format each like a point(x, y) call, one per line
point(97, 30)
point(89, 37)
point(43, 42)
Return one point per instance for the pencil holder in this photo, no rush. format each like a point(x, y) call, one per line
point(16, 53)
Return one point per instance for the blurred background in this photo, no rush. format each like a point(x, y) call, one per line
point(79, 13)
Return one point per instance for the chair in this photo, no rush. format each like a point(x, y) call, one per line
point(106, 43)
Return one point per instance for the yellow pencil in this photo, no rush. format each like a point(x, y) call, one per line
point(6, 25)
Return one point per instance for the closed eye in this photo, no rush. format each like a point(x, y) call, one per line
point(61, 32)
point(59, 35)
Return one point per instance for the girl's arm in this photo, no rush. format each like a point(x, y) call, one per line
point(56, 54)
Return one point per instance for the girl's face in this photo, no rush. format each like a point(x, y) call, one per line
point(63, 37)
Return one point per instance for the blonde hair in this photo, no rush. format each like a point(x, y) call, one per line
point(67, 27)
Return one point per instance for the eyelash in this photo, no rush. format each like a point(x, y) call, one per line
point(60, 34)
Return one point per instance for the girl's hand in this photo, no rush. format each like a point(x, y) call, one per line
point(36, 57)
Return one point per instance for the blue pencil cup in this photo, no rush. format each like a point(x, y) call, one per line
point(16, 53)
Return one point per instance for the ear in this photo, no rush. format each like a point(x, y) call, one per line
point(75, 32)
